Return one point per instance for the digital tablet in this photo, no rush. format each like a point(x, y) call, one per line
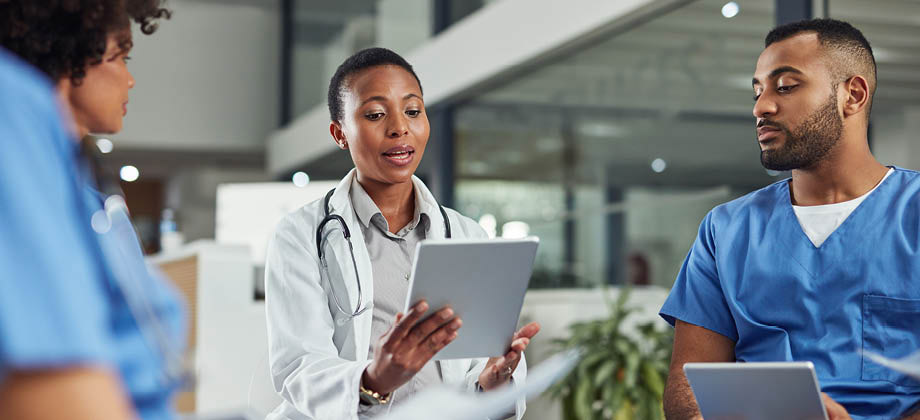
point(483, 281)
point(755, 391)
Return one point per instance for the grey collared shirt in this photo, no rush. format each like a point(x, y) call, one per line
point(391, 258)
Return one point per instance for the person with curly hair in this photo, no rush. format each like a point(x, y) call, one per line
point(83, 46)
point(86, 330)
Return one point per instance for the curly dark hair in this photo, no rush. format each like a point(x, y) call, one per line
point(64, 37)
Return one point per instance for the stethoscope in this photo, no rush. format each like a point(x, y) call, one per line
point(361, 306)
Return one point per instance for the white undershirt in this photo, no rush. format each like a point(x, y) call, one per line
point(819, 222)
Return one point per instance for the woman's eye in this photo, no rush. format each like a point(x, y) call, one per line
point(375, 116)
point(786, 88)
point(413, 113)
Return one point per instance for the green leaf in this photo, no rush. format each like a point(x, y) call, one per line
point(642, 409)
point(651, 407)
point(605, 372)
point(607, 396)
point(619, 374)
point(583, 399)
point(652, 378)
point(616, 400)
point(623, 297)
point(622, 346)
point(625, 412)
point(589, 361)
point(632, 369)
point(657, 410)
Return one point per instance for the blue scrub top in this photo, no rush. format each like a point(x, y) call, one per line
point(60, 304)
point(753, 276)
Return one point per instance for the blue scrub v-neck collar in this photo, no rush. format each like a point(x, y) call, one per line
point(819, 258)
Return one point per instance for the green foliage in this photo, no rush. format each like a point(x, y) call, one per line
point(619, 377)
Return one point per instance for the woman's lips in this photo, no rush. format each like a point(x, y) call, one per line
point(400, 156)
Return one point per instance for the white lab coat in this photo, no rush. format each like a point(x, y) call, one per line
point(316, 354)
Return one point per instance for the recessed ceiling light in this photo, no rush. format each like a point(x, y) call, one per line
point(105, 145)
point(601, 129)
point(301, 179)
point(730, 10)
point(659, 165)
point(129, 173)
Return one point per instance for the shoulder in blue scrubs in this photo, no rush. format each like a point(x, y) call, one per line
point(61, 303)
point(753, 276)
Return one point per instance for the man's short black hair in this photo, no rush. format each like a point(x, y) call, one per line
point(848, 50)
point(361, 60)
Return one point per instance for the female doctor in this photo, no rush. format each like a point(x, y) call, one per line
point(337, 269)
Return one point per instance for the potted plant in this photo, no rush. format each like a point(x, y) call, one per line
point(620, 376)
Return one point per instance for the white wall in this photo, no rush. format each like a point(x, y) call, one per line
point(193, 194)
point(248, 213)
point(307, 85)
point(207, 79)
point(479, 49)
point(403, 25)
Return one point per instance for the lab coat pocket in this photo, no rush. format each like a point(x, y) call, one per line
point(891, 328)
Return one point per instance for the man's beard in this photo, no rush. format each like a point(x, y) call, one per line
point(810, 142)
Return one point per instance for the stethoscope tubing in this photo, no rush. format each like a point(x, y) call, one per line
point(361, 306)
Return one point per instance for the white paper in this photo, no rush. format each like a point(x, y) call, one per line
point(909, 365)
point(452, 404)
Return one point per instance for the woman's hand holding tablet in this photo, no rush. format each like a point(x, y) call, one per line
point(405, 348)
point(499, 369)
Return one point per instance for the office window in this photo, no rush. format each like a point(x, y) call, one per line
point(614, 151)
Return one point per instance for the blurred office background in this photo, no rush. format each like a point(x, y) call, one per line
point(606, 128)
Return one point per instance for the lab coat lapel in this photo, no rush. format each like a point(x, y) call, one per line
point(342, 270)
point(430, 206)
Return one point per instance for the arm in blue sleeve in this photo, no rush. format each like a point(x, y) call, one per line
point(697, 297)
point(53, 299)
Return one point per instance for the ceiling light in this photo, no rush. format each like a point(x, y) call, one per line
point(730, 9)
point(129, 173)
point(105, 145)
point(601, 129)
point(515, 230)
point(301, 179)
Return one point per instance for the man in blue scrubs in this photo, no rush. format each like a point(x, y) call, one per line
point(816, 267)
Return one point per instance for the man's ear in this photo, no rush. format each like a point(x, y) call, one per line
point(857, 97)
point(335, 129)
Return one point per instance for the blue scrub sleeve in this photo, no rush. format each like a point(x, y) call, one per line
point(53, 300)
point(697, 296)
